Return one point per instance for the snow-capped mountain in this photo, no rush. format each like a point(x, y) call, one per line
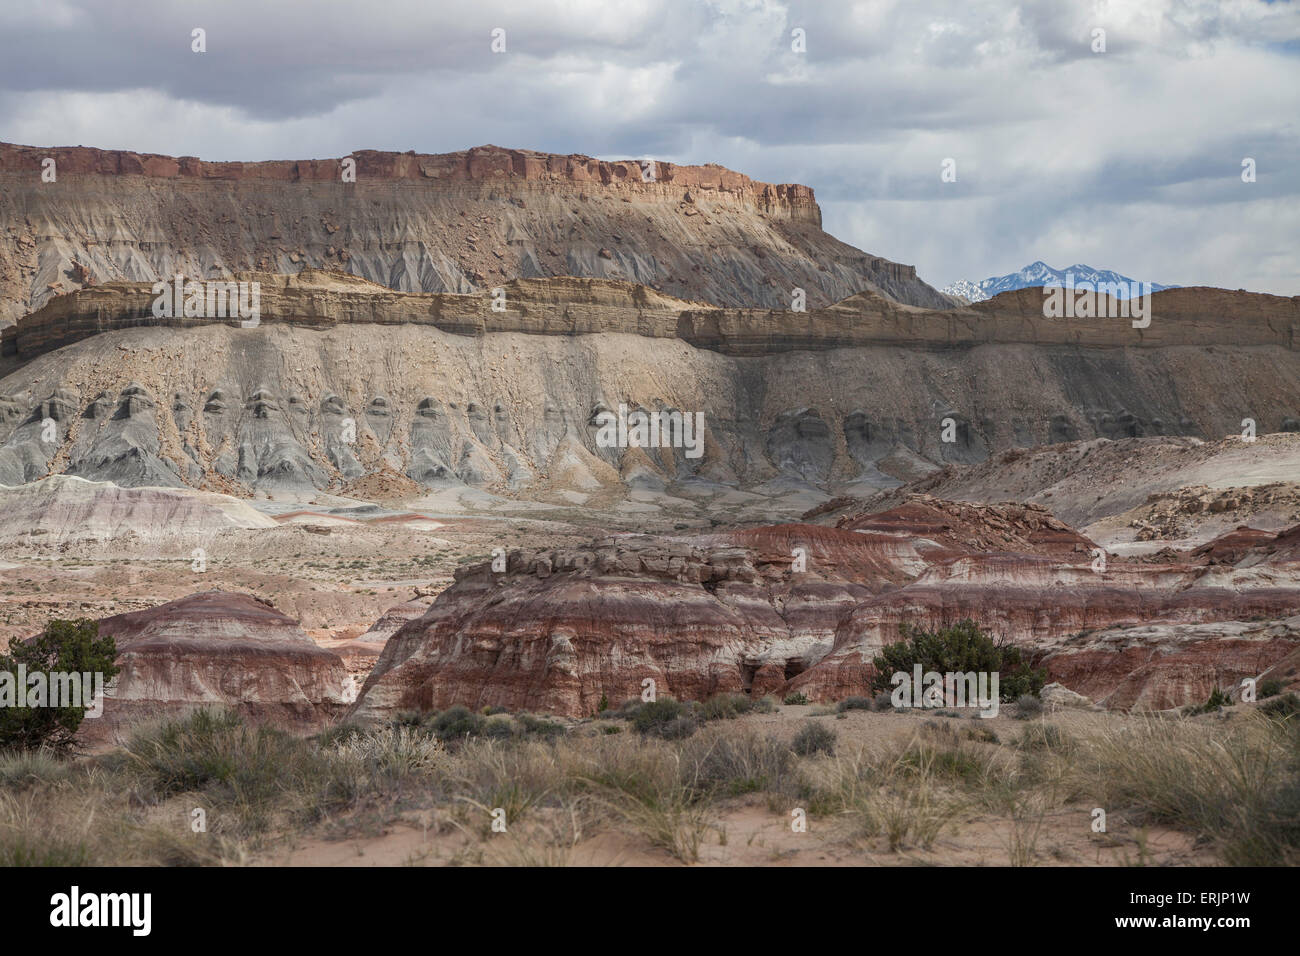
point(1040, 274)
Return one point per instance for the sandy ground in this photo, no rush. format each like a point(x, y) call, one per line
point(751, 831)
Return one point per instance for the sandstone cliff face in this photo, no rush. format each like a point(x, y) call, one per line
point(559, 630)
point(1167, 665)
point(344, 379)
point(457, 222)
point(220, 650)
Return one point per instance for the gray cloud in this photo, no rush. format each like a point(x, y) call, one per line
point(1128, 159)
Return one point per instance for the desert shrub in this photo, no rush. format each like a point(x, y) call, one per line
point(733, 764)
point(959, 762)
point(854, 703)
point(796, 699)
point(540, 727)
point(345, 732)
point(498, 728)
point(1218, 699)
point(1046, 738)
point(256, 772)
point(456, 723)
point(24, 768)
point(882, 701)
point(393, 752)
point(813, 738)
point(665, 717)
point(1238, 787)
point(626, 710)
point(1287, 705)
point(729, 706)
point(1269, 688)
point(981, 734)
point(1027, 705)
point(679, 728)
point(959, 648)
point(516, 777)
point(64, 647)
point(650, 787)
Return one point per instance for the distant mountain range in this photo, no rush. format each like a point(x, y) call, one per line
point(1038, 274)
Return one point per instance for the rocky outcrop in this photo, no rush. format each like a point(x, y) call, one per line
point(805, 608)
point(456, 222)
point(1179, 317)
point(360, 653)
point(321, 299)
point(1169, 664)
point(559, 630)
point(220, 650)
point(963, 528)
point(343, 379)
point(62, 512)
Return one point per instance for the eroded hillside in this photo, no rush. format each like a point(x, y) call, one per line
point(455, 222)
point(344, 380)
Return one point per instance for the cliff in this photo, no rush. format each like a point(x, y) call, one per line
point(455, 222)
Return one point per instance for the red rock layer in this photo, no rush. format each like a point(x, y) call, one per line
point(221, 650)
point(560, 630)
point(1166, 665)
point(482, 163)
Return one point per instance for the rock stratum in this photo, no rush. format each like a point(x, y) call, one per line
point(454, 222)
point(344, 379)
point(560, 630)
point(219, 650)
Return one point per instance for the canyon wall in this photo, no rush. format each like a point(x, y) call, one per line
point(456, 222)
point(343, 378)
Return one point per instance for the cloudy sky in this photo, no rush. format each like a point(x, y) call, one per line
point(1129, 159)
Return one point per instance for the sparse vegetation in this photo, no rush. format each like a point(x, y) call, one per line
point(813, 738)
point(959, 648)
point(63, 650)
point(1233, 784)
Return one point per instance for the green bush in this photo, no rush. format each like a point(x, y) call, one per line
point(959, 648)
point(537, 727)
point(456, 723)
point(68, 647)
point(1218, 699)
point(813, 738)
point(666, 718)
point(1270, 688)
point(796, 699)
